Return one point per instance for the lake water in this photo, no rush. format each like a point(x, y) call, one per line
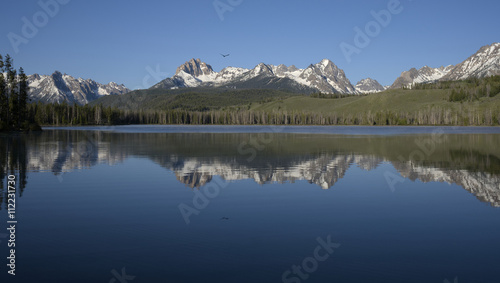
point(253, 204)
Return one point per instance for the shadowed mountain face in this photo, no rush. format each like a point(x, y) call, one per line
point(471, 161)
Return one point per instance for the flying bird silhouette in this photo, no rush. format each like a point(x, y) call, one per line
point(225, 55)
point(224, 218)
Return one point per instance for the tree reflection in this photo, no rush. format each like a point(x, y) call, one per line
point(13, 161)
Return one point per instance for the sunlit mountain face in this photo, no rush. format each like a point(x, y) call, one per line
point(471, 161)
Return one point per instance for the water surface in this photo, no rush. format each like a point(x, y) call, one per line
point(246, 204)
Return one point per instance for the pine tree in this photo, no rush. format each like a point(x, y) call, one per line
point(12, 118)
point(23, 98)
point(4, 109)
point(14, 111)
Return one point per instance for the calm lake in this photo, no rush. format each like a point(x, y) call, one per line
point(252, 204)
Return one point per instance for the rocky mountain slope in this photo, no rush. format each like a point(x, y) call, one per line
point(425, 74)
point(484, 63)
point(58, 88)
point(321, 77)
point(369, 86)
point(325, 76)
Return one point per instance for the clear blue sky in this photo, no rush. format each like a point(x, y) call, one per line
point(118, 40)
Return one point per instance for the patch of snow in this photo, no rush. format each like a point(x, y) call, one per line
point(102, 91)
point(189, 80)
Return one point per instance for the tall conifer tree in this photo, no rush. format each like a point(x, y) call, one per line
point(23, 97)
point(4, 106)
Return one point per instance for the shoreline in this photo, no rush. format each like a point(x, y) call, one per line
point(286, 129)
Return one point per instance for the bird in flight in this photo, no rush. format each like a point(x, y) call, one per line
point(224, 55)
point(224, 218)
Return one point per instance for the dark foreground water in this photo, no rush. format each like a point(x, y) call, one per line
point(252, 204)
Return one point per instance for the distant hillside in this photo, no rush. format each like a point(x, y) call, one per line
point(391, 100)
point(470, 102)
point(194, 99)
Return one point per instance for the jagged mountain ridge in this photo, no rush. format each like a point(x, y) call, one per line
point(425, 74)
point(58, 88)
point(484, 63)
point(323, 77)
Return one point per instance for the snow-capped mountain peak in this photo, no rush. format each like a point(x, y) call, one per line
point(325, 63)
point(327, 77)
point(324, 76)
point(369, 85)
point(425, 74)
point(196, 68)
point(229, 73)
point(484, 63)
point(262, 69)
point(58, 88)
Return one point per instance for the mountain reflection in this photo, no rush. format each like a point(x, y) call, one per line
point(471, 161)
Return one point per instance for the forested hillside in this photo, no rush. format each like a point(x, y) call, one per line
point(193, 99)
